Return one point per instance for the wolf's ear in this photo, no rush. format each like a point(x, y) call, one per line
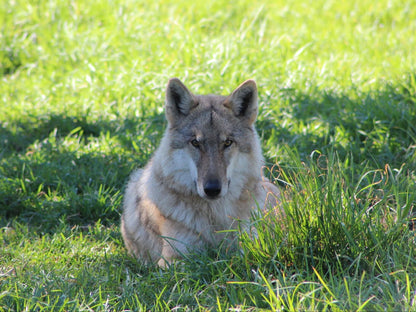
point(243, 101)
point(179, 100)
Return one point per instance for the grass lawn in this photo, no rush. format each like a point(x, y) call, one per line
point(81, 105)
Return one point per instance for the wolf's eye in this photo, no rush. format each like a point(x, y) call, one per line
point(195, 143)
point(228, 143)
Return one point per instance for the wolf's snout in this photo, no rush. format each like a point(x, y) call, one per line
point(212, 188)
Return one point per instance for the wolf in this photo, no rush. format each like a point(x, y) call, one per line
point(205, 176)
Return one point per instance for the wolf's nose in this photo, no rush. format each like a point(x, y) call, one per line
point(212, 188)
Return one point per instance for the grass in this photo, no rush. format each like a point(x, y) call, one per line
point(82, 87)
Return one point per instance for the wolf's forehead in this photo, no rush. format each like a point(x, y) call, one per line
point(210, 100)
point(211, 121)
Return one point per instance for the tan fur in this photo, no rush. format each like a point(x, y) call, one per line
point(204, 177)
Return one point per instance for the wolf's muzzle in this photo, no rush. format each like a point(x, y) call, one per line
point(212, 188)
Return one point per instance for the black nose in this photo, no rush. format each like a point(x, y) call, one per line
point(212, 188)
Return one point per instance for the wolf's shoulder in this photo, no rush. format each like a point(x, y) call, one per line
point(136, 175)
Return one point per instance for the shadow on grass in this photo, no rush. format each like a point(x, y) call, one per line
point(377, 127)
point(77, 190)
point(49, 173)
point(37, 128)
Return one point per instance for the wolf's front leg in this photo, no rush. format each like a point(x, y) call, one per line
point(178, 240)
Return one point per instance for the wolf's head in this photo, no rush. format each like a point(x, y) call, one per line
point(213, 146)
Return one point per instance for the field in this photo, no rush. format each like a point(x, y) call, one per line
point(81, 105)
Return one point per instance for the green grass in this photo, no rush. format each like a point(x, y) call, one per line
point(82, 91)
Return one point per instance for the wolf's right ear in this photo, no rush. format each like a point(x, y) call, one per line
point(179, 100)
point(243, 101)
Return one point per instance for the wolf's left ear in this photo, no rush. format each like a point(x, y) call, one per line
point(179, 100)
point(243, 101)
